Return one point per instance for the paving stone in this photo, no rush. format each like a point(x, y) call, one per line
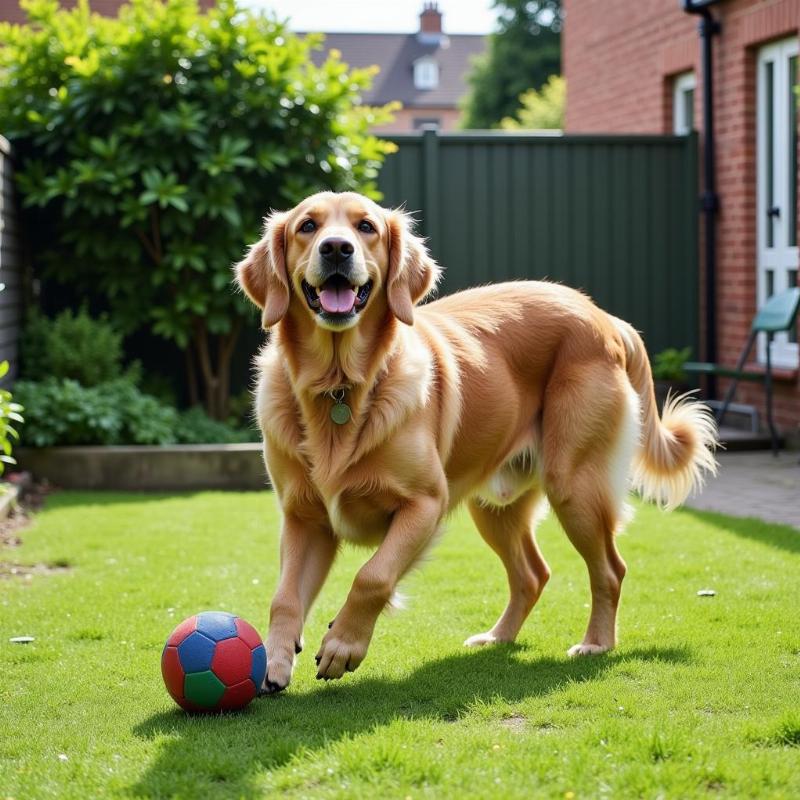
point(754, 484)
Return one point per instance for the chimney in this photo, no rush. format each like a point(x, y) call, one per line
point(430, 23)
point(430, 20)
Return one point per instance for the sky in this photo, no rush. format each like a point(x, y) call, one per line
point(460, 16)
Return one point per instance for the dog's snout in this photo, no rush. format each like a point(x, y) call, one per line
point(336, 249)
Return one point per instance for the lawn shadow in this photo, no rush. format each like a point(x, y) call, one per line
point(222, 755)
point(784, 537)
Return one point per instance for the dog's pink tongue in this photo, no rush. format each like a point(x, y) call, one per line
point(338, 300)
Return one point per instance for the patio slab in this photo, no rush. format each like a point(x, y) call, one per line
point(754, 484)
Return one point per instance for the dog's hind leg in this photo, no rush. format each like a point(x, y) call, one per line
point(509, 531)
point(589, 523)
point(586, 462)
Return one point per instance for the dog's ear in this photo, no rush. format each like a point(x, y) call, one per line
point(262, 273)
point(412, 271)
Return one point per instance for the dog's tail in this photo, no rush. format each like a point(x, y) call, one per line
point(676, 450)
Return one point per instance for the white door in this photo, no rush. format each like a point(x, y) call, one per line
point(777, 186)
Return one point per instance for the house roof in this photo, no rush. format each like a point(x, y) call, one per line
point(395, 54)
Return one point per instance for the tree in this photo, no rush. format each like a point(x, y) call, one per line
point(522, 54)
point(540, 110)
point(154, 143)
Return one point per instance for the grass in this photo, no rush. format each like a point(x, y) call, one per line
point(700, 699)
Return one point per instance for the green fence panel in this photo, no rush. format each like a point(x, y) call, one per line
point(615, 216)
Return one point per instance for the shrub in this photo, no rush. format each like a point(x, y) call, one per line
point(72, 346)
point(78, 395)
point(668, 364)
point(540, 110)
point(150, 146)
point(9, 412)
point(196, 427)
point(59, 411)
point(241, 411)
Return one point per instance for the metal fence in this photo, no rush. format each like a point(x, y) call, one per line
point(613, 215)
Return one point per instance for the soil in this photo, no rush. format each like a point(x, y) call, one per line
point(31, 499)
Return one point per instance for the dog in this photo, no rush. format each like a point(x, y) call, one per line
point(380, 416)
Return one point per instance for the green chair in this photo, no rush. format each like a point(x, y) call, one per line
point(778, 314)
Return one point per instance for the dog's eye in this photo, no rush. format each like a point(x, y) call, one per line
point(309, 226)
point(365, 226)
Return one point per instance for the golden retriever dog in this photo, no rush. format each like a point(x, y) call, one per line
point(380, 417)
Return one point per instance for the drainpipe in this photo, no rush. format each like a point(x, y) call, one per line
point(707, 28)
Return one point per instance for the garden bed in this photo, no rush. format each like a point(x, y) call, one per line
point(148, 468)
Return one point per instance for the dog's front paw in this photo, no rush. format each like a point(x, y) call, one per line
point(339, 653)
point(280, 665)
point(279, 675)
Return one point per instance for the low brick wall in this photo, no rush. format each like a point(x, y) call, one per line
point(140, 468)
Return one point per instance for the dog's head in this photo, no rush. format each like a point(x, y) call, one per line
point(337, 258)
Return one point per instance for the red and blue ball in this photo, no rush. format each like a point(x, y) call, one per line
point(214, 661)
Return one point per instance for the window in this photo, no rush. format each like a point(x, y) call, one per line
point(427, 122)
point(683, 103)
point(426, 73)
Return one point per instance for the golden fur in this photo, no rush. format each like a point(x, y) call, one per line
point(500, 397)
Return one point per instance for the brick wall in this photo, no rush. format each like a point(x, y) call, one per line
point(11, 12)
point(619, 60)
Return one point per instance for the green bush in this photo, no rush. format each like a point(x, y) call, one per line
point(72, 346)
point(196, 427)
point(540, 110)
point(59, 411)
point(77, 394)
point(9, 412)
point(241, 411)
point(149, 147)
point(668, 364)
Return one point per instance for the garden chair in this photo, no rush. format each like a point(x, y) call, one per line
point(778, 314)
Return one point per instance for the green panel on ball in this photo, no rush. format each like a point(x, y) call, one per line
point(203, 688)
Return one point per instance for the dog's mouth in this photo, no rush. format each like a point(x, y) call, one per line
point(337, 297)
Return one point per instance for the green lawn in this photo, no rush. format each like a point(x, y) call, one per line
point(700, 699)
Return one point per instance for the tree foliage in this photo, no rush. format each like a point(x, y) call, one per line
point(151, 145)
point(522, 54)
point(540, 110)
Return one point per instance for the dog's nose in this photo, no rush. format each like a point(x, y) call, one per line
point(336, 249)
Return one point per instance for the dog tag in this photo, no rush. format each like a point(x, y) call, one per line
point(340, 413)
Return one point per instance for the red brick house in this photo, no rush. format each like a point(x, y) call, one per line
point(636, 67)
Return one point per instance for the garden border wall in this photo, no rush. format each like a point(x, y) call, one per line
point(170, 468)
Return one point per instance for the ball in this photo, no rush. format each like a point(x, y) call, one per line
point(213, 661)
